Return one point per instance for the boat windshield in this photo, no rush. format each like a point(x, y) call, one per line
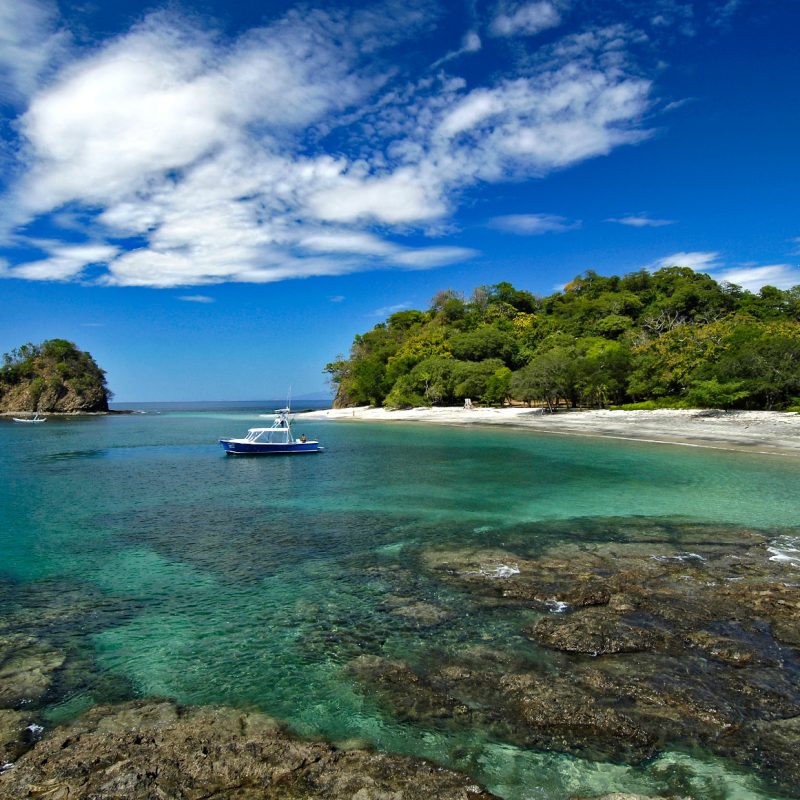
point(268, 435)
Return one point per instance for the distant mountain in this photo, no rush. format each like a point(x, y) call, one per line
point(54, 376)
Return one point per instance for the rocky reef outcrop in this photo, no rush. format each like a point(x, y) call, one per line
point(147, 750)
point(649, 642)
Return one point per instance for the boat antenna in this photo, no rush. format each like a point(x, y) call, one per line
point(289, 398)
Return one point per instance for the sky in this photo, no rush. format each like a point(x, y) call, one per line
point(213, 198)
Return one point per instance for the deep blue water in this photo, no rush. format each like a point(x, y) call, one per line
point(165, 568)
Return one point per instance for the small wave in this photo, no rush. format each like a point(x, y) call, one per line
point(500, 571)
point(482, 529)
point(679, 557)
point(34, 732)
point(557, 606)
point(785, 549)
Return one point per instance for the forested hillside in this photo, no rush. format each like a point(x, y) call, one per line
point(669, 338)
point(52, 376)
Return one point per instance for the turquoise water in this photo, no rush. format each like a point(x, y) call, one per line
point(165, 568)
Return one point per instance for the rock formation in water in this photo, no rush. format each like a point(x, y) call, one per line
point(52, 377)
point(670, 637)
point(147, 750)
point(647, 636)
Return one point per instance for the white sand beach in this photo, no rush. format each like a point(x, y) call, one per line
point(767, 432)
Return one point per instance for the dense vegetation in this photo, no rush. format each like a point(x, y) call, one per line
point(669, 338)
point(52, 376)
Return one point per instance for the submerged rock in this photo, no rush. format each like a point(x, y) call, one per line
point(151, 750)
point(596, 632)
point(27, 668)
point(13, 742)
point(653, 636)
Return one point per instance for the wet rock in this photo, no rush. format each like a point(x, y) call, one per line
point(12, 735)
point(528, 709)
point(423, 614)
point(721, 648)
point(143, 751)
point(772, 747)
point(27, 668)
point(622, 796)
point(498, 573)
point(562, 716)
point(596, 632)
point(411, 698)
point(698, 629)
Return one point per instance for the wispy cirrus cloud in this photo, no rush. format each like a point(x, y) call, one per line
point(641, 220)
point(525, 19)
point(65, 262)
point(698, 260)
point(753, 278)
point(200, 160)
point(197, 298)
point(386, 311)
point(533, 224)
point(30, 42)
point(471, 43)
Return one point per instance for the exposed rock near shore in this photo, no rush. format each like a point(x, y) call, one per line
point(649, 642)
point(141, 751)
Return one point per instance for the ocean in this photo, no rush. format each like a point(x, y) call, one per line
point(158, 567)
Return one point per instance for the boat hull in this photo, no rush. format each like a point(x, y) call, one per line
point(240, 448)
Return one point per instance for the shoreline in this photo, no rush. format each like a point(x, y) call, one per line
point(759, 432)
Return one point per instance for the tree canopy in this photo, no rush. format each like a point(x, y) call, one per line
point(673, 337)
point(52, 376)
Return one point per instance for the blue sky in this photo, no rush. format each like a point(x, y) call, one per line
point(213, 198)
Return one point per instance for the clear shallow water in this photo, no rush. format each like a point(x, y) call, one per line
point(165, 568)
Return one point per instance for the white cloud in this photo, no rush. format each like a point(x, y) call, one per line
point(781, 276)
point(697, 260)
point(533, 224)
point(29, 43)
point(347, 242)
point(526, 20)
point(386, 311)
point(197, 298)
point(213, 153)
point(471, 43)
point(397, 198)
point(337, 298)
point(642, 221)
point(471, 111)
point(721, 13)
point(64, 262)
point(430, 257)
point(749, 276)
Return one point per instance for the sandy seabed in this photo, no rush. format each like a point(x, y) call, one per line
point(767, 432)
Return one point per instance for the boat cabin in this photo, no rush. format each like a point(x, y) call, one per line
point(269, 435)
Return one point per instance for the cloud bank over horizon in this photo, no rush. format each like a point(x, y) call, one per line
point(171, 155)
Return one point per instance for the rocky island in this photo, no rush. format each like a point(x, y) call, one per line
point(52, 377)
